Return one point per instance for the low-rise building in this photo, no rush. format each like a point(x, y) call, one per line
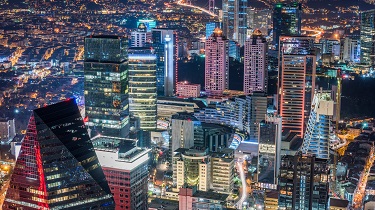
point(188, 90)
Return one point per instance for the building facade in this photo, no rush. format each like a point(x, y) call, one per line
point(164, 42)
point(188, 90)
point(7, 129)
point(216, 63)
point(142, 86)
point(139, 37)
point(210, 27)
point(235, 20)
point(106, 85)
point(367, 37)
point(255, 64)
point(286, 20)
point(57, 167)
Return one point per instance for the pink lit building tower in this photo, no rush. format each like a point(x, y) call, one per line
point(255, 64)
point(217, 63)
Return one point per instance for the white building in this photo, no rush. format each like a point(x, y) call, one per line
point(187, 90)
point(7, 129)
point(255, 64)
point(217, 63)
point(139, 37)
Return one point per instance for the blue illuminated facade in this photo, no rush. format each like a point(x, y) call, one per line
point(149, 23)
point(210, 27)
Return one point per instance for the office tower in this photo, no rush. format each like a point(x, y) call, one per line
point(192, 168)
point(216, 64)
point(7, 129)
point(139, 37)
point(125, 167)
point(222, 170)
point(234, 50)
point(319, 127)
point(210, 27)
point(183, 126)
point(234, 20)
point(187, 90)
point(142, 86)
point(214, 138)
point(258, 110)
point(286, 20)
point(255, 64)
point(303, 182)
point(149, 23)
point(165, 46)
point(296, 81)
point(57, 167)
point(350, 50)
point(258, 19)
point(106, 85)
point(269, 150)
point(367, 37)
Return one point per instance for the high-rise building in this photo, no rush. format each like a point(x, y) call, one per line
point(259, 19)
point(319, 128)
point(286, 20)
point(106, 85)
point(7, 129)
point(367, 37)
point(125, 167)
point(303, 183)
point(57, 167)
point(149, 23)
point(142, 86)
point(216, 64)
point(164, 42)
point(183, 126)
point(139, 37)
point(234, 20)
point(297, 74)
point(255, 64)
point(222, 161)
point(350, 50)
point(210, 27)
point(269, 150)
point(257, 110)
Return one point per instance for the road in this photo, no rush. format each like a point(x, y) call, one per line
point(244, 187)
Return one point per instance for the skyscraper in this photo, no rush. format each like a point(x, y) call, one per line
point(319, 127)
point(303, 183)
point(142, 86)
point(367, 37)
point(234, 20)
point(57, 167)
point(286, 20)
point(255, 64)
point(210, 27)
point(164, 42)
point(106, 85)
point(296, 81)
point(183, 130)
point(216, 63)
point(269, 150)
point(258, 110)
point(139, 37)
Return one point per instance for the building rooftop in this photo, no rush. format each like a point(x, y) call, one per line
point(163, 204)
point(211, 195)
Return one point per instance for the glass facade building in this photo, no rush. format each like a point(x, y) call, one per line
point(210, 27)
point(57, 167)
point(286, 20)
point(106, 85)
point(164, 42)
point(235, 20)
point(142, 86)
point(367, 37)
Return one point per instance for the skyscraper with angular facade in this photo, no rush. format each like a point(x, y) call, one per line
point(235, 20)
point(164, 42)
point(367, 37)
point(216, 63)
point(255, 64)
point(57, 167)
point(142, 86)
point(286, 20)
point(106, 85)
point(297, 73)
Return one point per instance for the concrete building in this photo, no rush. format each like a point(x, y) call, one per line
point(216, 63)
point(187, 90)
point(350, 50)
point(166, 107)
point(183, 127)
point(257, 111)
point(139, 37)
point(7, 129)
point(125, 167)
point(271, 200)
point(222, 161)
point(255, 64)
point(191, 198)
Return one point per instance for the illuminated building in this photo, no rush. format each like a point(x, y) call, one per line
point(125, 167)
point(57, 167)
point(296, 81)
point(7, 129)
point(319, 128)
point(271, 200)
point(257, 111)
point(216, 64)
point(139, 37)
point(106, 85)
point(350, 50)
point(259, 19)
point(168, 106)
point(164, 42)
point(269, 152)
point(222, 161)
point(286, 20)
point(255, 64)
point(234, 20)
point(303, 183)
point(187, 90)
point(234, 50)
point(183, 127)
point(149, 23)
point(191, 198)
point(210, 27)
point(367, 37)
point(142, 86)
